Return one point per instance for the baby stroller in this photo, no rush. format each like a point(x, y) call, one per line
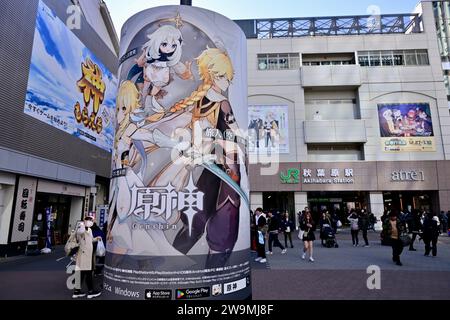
point(327, 235)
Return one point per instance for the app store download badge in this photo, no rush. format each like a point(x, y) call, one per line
point(158, 294)
point(193, 293)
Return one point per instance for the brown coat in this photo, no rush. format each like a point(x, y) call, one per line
point(85, 253)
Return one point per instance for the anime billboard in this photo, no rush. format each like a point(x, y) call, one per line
point(406, 127)
point(68, 87)
point(179, 214)
point(268, 129)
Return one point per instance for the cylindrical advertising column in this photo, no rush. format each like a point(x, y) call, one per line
point(179, 223)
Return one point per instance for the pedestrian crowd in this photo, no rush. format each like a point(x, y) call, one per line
point(399, 229)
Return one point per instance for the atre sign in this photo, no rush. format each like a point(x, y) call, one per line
point(403, 175)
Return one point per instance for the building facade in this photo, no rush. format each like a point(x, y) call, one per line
point(442, 18)
point(49, 176)
point(348, 112)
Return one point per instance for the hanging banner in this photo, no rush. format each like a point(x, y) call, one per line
point(406, 127)
point(103, 215)
point(268, 129)
point(23, 215)
point(49, 220)
point(178, 224)
point(68, 86)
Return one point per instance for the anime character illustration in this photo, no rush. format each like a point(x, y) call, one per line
point(160, 57)
point(424, 126)
point(122, 236)
point(212, 110)
point(398, 121)
point(255, 126)
point(405, 120)
point(388, 126)
point(206, 120)
point(271, 129)
point(409, 123)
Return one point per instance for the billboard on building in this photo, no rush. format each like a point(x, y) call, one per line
point(268, 130)
point(178, 224)
point(406, 127)
point(68, 87)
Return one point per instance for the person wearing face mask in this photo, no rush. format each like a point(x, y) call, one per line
point(85, 258)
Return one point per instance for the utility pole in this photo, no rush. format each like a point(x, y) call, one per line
point(186, 2)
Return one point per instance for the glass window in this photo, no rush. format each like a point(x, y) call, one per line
point(273, 62)
point(294, 61)
point(363, 61)
point(375, 60)
point(387, 58)
point(330, 109)
point(262, 63)
point(422, 57)
point(398, 58)
point(283, 62)
point(410, 58)
point(278, 61)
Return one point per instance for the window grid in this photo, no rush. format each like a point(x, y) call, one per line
point(393, 58)
point(278, 61)
point(327, 63)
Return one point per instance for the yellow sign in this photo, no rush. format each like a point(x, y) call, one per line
point(408, 144)
point(93, 88)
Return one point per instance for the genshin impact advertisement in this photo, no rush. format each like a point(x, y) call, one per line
point(68, 87)
point(179, 210)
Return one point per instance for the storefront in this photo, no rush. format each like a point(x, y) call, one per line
point(339, 187)
point(40, 209)
point(58, 207)
point(410, 200)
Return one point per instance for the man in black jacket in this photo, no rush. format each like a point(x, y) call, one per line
point(274, 229)
point(414, 227)
point(364, 222)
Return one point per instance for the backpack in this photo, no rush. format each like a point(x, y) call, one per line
point(72, 245)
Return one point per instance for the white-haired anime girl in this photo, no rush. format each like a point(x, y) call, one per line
point(160, 54)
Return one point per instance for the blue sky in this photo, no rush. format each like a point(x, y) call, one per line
point(247, 9)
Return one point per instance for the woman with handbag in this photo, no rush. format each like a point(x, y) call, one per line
point(308, 227)
point(393, 229)
point(85, 258)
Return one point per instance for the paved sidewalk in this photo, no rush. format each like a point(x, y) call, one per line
point(341, 273)
point(337, 273)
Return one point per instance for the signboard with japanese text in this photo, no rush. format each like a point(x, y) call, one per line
point(329, 176)
point(268, 130)
point(102, 212)
point(406, 127)
point(49, 220)
point(178, 220)
point(68, 87)
point(23, 213)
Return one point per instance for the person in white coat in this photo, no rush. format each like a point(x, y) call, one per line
point(85, 258)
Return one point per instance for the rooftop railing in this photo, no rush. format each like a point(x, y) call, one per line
point(331, 26)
